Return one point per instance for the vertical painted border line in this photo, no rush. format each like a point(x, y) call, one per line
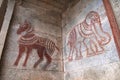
point(113, 24)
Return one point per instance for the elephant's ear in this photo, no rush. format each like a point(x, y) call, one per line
point(88, 20)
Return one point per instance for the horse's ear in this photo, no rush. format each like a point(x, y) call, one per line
point(25, 22)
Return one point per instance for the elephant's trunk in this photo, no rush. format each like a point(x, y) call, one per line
point(102, 36)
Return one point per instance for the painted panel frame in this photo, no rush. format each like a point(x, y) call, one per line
point(104, 52)
point(113, 24)
point(79, 69)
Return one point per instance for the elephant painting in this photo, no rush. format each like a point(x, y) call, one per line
point(89, 34)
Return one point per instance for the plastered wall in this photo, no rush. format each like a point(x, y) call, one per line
point(86, 48)
point(46, 27)
point(3, 5)
point(116, 8)
point(89, 48)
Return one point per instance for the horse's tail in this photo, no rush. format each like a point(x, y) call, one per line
point(57, 48)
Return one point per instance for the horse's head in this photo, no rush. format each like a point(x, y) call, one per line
point(24, 27)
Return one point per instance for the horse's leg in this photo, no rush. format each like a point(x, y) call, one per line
point(21, 50)
point(27, 56)
point(40, 54)
point(49, 60)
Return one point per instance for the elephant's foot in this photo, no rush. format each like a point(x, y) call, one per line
point(90, 54)
point(70, 58)
point(78, 57)
point(100, 50)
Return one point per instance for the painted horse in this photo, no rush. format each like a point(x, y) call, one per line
point(29, 41)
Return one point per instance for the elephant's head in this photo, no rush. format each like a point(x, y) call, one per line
point(93, 20)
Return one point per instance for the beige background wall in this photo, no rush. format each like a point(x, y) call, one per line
point(50, 22)
point(47, 24)
point(116, 8)
point(3, 6)
point(97, 67)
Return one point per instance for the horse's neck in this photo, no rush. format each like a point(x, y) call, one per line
point(28, 35)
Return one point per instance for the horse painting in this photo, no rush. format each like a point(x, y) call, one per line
point(29, 40)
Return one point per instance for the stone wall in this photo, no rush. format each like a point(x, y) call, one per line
point(3, 6)
point(82, 34)
point(116, 8)
point(89, 48)
point(45, 23)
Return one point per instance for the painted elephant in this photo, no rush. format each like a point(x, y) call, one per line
point(95, 38)
point(72, 39)
point(88, 34)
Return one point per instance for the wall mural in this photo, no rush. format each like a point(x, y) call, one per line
point(88, 36)
point(29, 40)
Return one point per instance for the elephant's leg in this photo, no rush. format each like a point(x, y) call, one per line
point(70, 57)
point(27, 56)
point(78, 54)
point(93, 47)
point(98, 48)
point(87, 44)
point(40, 54)
point(21, 51)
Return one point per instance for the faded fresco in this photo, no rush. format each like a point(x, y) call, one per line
point(33, 45)
point(42, 45)
point(29, 40)
point(90, 37)
point(87, 40)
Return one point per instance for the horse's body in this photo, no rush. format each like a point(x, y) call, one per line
point(30, 41)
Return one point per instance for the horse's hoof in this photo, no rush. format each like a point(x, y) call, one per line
point(45, 68)
point(24, 65)
point(15, 64)
point(34, 66)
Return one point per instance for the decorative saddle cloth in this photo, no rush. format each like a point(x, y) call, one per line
point(28, 40)
point(32, 40)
